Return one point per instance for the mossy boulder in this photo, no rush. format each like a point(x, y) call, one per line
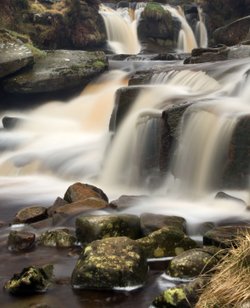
point(91, 228)
point(166, 242)
point(193, 262)
point(80, 191)
point(60, 238)
point(31, 280)
point(181, 296)
point(60, 69)
point(21, 241)
point(156, 25)
point(110, 263)
point(151, 222)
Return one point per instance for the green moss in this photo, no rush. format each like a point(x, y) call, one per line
point(174, 296)
point(99, 64)
point(154, 10)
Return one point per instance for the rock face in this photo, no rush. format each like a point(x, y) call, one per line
point(14, 54)
point(233, 33)
point(61, 69)
point(31, 280)
point(110, 263)
point(91, 228)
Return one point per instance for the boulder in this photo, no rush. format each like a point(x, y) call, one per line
point(166, 242)
point(60, 238)
point(56, 205)
point(31, 214)
point(224, 196)
point(233, 33)
point(193, 262)
point(151, 222)
point(91, 228)
point(21, 241)
point(31, 280)
point(79, 191)
point(59, 69)
point(110, 263)
point(224, 236)
point(126, 201)
point(14, 54)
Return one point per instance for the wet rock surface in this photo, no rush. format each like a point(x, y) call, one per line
point(58, 70)
point(110, 263)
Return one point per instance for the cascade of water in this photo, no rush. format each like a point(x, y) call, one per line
point(201, 30)
point(68, 139)
point(121, 30)
point(122, 166)
point(186, 39)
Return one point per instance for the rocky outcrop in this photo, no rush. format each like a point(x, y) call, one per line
point(58, 70)
point(56, 24)
point(233, 33)
point(156, 26)
point(110, 263)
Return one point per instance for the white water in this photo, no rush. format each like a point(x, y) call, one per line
point(186, 40)
point(121, 30)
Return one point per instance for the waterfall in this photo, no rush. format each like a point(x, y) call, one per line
point(201, 30)
point(121, 30)
point(122, 166)
point(186, 39)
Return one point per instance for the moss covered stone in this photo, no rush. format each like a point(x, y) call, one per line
point(166, 242)
point(110, 263)
point(61, 238)
point(31, 280)
point(192, 263)
point(90, 228)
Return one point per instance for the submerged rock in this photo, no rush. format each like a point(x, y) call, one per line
point(193, 262)
point(166, 242)
point(79, 191)
point(31, 214)
point(181, 296)
point(60, 238)
point(58, 70)
point(91, 228)
point(31, 280)
point(126, 201)
point(152, 222)
point(110, 263)
point(21, 241)
point(223, 195)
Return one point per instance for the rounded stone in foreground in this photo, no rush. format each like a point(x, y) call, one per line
point(110, 263)
point(21, 241)
point(31, 214)
point(61, 238)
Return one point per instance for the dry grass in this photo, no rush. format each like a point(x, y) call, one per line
point(230, 285)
